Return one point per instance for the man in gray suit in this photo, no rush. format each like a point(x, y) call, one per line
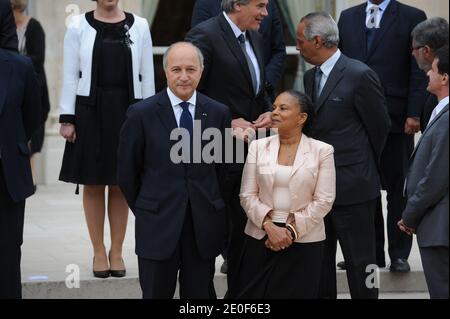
point(426, 212)
point(351, 115)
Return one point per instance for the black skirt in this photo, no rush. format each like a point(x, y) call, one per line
point(293, 273)
point(92, 159)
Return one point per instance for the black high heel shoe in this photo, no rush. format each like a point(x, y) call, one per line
point(117, 273)
point(103, 274)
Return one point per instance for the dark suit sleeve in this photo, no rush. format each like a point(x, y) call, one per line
point(36, 44)
point(275, 67)
point(203, 11)
point(199, 38)
point(131, 156)
point(31, 107)
point(434, 184)
point(222, 168)
point(418, 80)
point(8, 35)
point(371, 106)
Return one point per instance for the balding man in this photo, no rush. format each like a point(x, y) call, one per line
point(180, 213)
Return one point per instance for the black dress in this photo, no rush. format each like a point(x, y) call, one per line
point(92, 159)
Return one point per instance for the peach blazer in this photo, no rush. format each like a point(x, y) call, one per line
point(312, 185)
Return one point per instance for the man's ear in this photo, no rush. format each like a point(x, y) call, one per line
point(317, 41)
point(445, 79)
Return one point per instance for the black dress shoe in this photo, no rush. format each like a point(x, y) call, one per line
point(341, 265)
point(117, 273)
point(224, 267)
point(103, 274)
point(400, 265)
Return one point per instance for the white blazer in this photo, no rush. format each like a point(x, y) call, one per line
point(312, 186)
point(78, 50)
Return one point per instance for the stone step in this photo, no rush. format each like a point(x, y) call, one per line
point(392, 285)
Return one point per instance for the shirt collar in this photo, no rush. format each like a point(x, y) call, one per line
point(382, 5)
point(443, 103)
point(175, 100)
point(237, 32)
point(329, 64)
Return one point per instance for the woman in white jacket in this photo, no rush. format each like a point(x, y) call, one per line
point(108, 65)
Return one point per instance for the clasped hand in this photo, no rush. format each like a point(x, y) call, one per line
point(279, 237)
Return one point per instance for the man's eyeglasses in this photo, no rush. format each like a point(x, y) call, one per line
point(418, 47)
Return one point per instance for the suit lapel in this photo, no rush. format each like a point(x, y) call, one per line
point(445, 109)
point(335, 77)
point(235, 48)
point(272, 151)
point(360, 33)
point(5, 73)
point(302, 154)
point(166, 112)
point(200, 112)
point(386, 23)
point(260, 58)
point(309, 82)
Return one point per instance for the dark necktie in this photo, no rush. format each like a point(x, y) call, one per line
point(317, 87)
point(186, 119)
point(241, 39)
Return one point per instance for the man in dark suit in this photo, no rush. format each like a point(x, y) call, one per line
point(352, 117)
point(428, 37)
point(426, 211)
point(235, 75)
point(180, 213)
point(8, 34)
point(271, 30)
point(378, 33)
point(19, 119)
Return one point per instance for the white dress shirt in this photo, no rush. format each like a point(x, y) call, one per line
point(327, 67)
point(177, 109)
point(380, 12)
point(443, 103)
point(237, 32)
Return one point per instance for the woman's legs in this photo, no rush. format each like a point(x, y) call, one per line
point(118, 219)
point(94, 208)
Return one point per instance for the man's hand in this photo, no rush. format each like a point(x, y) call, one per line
point(264, 120)
point(405, 229)
point(68, 132)
point(412, 126)
point(243, 130)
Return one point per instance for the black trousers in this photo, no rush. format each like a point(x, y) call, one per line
point(293, 273)
point(238, 219)
point(435, 267)
point(354, 227)
point(394, 166)
point(196, 275)
point(11, 238)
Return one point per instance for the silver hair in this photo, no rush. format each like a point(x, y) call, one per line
point(323, 25)
point(201, 59)
point(228, 5)
point(432, 32)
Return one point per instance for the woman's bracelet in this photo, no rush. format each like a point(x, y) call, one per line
point(292, 230)
point(267, 221)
